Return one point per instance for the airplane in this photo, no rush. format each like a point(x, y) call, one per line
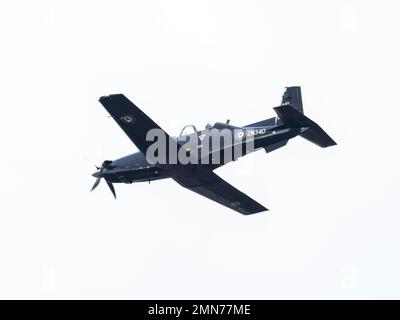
point(270, 134)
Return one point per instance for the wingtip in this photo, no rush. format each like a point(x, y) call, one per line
point(331, 144)
point(110, 96)
point(249, 213)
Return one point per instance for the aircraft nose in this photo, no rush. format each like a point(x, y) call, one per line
point(97, 174)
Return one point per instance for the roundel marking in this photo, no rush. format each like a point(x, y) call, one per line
point(129, 119)
point(240, 135)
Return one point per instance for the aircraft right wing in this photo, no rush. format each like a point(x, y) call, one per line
point(211, 186)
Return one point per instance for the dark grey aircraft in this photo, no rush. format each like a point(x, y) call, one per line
point(199, 177)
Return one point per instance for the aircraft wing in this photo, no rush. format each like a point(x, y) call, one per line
point(211, 186)
point(131, 119)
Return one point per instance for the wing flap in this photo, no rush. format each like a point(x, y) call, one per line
point(211, 186)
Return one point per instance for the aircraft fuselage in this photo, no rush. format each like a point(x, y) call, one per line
point(136, 168)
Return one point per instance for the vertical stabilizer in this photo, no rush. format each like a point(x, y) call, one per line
point(292, 97)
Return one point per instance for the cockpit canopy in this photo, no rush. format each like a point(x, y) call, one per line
point(187, 130)
point(191, 129)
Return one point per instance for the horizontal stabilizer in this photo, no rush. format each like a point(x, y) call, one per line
point(313, 132)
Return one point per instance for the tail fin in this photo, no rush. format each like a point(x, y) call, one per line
point(291, 114)
point(292, 97)
point(310, 130)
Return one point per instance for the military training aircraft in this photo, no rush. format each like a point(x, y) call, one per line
point(189, 159)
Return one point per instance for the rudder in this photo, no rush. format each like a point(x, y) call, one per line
point(292, 97)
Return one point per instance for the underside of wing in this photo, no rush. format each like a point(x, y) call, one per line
point(211, 186)
point(135, 123)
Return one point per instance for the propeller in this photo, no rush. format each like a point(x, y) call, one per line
point(99, 174)
point(110, 185)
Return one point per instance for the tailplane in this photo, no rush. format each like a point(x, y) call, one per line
point(310, 130)
point(291, 115)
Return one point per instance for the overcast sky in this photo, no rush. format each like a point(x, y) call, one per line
point(333, 226)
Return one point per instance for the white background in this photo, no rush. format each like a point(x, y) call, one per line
point(333, 226)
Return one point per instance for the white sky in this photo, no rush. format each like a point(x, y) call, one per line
point(333, 226)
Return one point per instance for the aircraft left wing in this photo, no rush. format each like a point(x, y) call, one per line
point(211, 186)
point(131, 119)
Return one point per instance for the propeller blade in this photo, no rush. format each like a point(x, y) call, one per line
point(110, 185)
point(96, 183)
